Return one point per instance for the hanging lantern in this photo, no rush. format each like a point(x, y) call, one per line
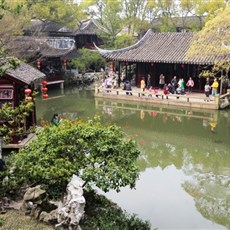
point(38, 63)
point(126, 63)
point(45, 96)
point(152, 63)
point(182, 66)
point(28, 91)
point(44, 83)
point(44, 90)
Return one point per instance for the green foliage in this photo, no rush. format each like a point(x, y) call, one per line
point(66, 12)
point(104, 215)
point(13, 120)
point(124, 40)
point(89, 59)
point(7, 63)
point(220, 68)
point(112, 218)
point(100, 155)
point(1, 222)
point(212, 42)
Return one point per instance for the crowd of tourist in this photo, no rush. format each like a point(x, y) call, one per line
point(175, 86)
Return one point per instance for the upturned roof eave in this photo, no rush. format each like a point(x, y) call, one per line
point(103, 51)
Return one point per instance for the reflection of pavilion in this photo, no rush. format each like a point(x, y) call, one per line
point(155, 109)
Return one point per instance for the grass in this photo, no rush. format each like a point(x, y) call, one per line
point(16, 220)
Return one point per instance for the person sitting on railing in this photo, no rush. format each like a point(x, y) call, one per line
point(165, 89)
point(170, 88)
point(153, 90)
point(178, 90)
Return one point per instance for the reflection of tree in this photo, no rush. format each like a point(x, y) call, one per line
point(212, 197)
point(206, 161)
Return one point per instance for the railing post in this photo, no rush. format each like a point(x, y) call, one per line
point(217, 101)
point(96, 89)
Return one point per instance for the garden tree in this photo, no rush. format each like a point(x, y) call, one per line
point(201, 9)
point(99, 154)
point(64, 11)
point(9, 26)
point(89, 59)
point(124, 40)
point(151, 11)
point(167, 11)
point(213, 40)
point(206, 8)
point(13, 16)
point(108, 13)
point(135, 12)
point(111, 20)
point(186, 8)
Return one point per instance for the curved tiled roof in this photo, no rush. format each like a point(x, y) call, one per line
point(25, 73)
point(89, 26)
point(168, 47)
point(29, 46)
point(46, 25)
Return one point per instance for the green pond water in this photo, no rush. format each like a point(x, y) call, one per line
point(185, 159)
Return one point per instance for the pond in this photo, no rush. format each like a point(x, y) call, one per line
point(185, 159)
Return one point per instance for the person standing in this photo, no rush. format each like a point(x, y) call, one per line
point(207, 89)
point(143, 84)
point(148, 81)
point(161, 81)
point(190, 84)
point(174, 84)
point(182, 85)
point(214, 86)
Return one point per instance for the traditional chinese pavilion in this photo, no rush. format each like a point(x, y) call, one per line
point(49, 45)
point(87, 34)
point(159, 53)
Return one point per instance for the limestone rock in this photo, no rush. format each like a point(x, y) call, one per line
point(35, 194)
point(71, 210)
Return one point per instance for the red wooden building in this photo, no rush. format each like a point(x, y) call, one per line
point(13, 85)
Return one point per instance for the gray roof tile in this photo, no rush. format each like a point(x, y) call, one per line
point(25, 73)
point(168, 47)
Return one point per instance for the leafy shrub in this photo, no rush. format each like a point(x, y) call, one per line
point(105, 215)
point(99, 154)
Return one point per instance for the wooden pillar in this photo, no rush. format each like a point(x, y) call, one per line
point(119, 74)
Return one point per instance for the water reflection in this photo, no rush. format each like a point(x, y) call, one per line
point(184, 162)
